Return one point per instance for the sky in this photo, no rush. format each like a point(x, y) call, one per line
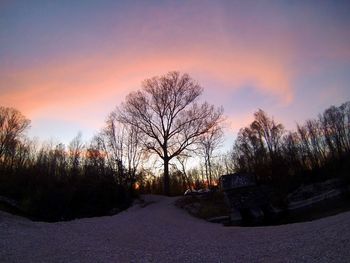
point(67, 64)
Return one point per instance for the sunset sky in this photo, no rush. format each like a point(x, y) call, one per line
point(66, 64)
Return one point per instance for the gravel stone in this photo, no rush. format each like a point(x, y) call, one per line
point(160, 232)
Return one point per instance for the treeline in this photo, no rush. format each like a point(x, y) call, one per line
point(195, 178)
point(51, 181)
point(317, 150)
point(57, 182)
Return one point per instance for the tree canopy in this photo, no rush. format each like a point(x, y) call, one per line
point(167, 112)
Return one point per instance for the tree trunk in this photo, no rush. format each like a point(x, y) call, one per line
point(206, 172)
point(185, 177)
point(166, 177)
point(210, 175)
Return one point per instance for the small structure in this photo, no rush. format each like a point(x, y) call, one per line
point(248, 202)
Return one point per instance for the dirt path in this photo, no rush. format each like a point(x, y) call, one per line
point(160, 232)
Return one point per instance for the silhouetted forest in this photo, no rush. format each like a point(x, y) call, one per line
point(54, 182)
point(316, 151)
point(51, 181)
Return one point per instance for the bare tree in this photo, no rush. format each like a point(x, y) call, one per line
point(335, 124)
point(122, 146)
point(75, 150)
point(249, 149)
point(227, 161)
point(257, 148)
point(269, 132)
point(12, 126)
point(182, 161)
point(167, 113)
point(292, 151)
point(95, 158)
point(209, 143)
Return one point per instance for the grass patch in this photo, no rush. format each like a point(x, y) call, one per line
point(214, 206)
point(204, 206)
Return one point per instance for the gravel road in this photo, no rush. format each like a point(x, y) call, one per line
point(160, 232)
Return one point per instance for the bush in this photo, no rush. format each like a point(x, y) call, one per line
point(53, 199)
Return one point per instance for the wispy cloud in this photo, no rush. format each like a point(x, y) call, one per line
point(77, 65)
point(71, 84)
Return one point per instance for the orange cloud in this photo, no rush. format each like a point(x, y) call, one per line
point(73, 88)
point(235, 123)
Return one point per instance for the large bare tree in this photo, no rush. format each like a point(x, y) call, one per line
point(166, 111)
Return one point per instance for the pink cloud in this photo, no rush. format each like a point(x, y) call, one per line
point(74, 88)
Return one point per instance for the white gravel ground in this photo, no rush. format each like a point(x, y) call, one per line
point(160, 232)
